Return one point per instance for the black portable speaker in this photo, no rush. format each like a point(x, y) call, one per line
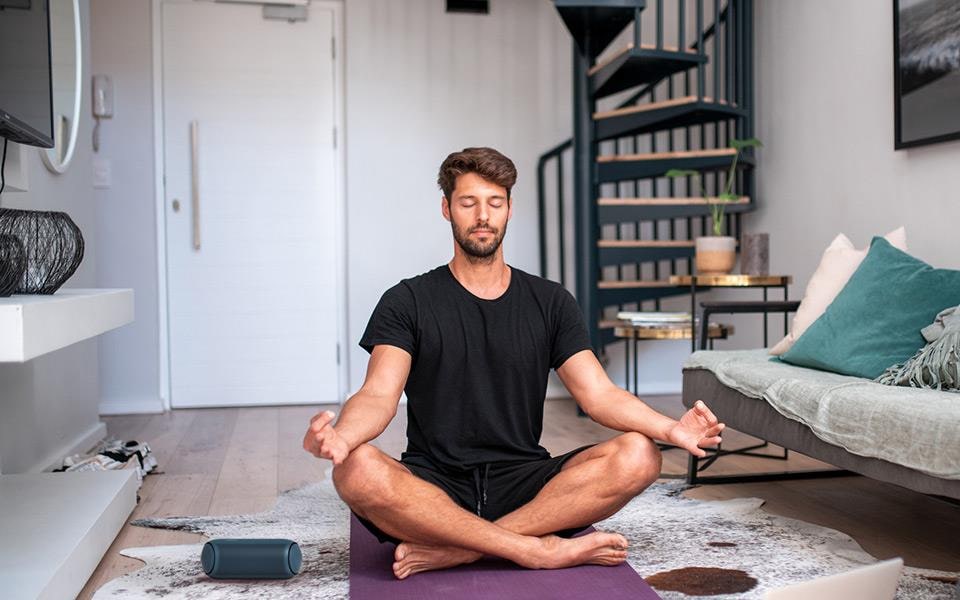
point(228, 558)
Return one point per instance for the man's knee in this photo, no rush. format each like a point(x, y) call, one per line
point(362, 478)
point(637, 462)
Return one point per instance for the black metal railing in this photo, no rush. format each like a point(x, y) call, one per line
point(554, 155)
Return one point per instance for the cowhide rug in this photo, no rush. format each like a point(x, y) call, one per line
point(729, 549)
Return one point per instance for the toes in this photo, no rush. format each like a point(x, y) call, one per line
point(401, 552)
point(620, 542)
point(614, 558)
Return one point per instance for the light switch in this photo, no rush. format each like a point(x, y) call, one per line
point(102, 173)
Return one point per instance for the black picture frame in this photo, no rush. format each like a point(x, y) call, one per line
point(908, 132)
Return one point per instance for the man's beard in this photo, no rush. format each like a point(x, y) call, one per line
point(475, 249)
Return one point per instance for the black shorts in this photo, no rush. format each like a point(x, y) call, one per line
point(489, 491)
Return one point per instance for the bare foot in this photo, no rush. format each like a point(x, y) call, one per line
point(598, 548)
point(417, 558)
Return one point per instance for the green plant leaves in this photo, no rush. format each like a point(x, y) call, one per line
point(739, 145)
point(682, 173)
point(717, 205)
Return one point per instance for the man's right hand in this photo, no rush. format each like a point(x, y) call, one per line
point(322, 440)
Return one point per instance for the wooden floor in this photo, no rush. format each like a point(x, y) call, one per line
point(237, 460)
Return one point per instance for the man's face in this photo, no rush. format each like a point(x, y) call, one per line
point(478, 213)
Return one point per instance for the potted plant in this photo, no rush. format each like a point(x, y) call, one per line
point(717, 254)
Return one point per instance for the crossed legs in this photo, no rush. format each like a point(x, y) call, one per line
point(592, 485)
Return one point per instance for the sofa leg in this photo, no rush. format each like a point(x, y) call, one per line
point(694, 467)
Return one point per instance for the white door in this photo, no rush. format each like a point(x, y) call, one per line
point(248, 108)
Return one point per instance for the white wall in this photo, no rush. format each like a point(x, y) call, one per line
point(48, 406)
point(824, 113)
point(422, 84)
point(824, 81)
point(419, 84)
point(126, 214)
point(825, 116)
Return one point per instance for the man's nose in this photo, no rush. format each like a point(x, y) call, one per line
point(484, 215)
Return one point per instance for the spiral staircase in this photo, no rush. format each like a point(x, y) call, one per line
point(672, 96)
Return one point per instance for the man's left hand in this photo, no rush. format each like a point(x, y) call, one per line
point(697, 429)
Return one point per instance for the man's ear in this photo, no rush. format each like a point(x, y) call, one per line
point(445, 208)
point(509, 207)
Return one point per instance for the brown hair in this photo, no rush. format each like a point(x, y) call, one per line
point(485, 162)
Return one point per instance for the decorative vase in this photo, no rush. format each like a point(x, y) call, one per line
point(52, 244)
point(715, 255)
point(13, 262)
point(755, 254)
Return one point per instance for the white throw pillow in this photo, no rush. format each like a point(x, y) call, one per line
point(838, 264)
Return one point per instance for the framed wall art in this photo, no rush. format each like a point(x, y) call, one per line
point(926, 71)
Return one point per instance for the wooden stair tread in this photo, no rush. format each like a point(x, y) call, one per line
point(668, 155)
point(645, 244)
point(668, 201)
point(673, 102)
point(628, 284)
point(600, 65)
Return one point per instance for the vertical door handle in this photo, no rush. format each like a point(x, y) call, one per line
point(195, 181)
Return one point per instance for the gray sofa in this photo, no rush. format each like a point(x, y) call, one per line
point(906, 436)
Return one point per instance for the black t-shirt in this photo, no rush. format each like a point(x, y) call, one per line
point(478, 378)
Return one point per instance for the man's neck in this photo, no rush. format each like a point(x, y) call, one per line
point(487, 279)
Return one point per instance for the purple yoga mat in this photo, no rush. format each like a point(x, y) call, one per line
point(371, 578)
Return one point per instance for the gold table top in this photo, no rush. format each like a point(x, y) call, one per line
point(732, 280)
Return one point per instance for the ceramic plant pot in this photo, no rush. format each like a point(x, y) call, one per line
point(715, 255)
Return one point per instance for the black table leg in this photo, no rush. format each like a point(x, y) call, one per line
point(766, 318)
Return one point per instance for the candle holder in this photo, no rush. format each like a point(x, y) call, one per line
point(13, 262)
point(52, 244)
point(755, 254)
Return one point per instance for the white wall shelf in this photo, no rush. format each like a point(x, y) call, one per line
point(55, 527)
point(34, 325)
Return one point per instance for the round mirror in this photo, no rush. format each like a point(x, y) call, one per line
point(65, 62)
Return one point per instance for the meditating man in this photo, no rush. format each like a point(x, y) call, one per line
point(472, 344)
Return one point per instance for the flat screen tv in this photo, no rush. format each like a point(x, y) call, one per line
point(26, 98)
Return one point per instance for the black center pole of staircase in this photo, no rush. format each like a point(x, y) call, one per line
point(584, 178)
point(701, 76)
point(542, 208)
point(636, 29)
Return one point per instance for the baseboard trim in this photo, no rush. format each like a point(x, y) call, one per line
point(81, 445)
point(145, 405)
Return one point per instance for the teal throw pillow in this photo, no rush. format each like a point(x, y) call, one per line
point(875, 320)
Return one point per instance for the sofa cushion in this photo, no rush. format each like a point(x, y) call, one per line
point(875, 321)
point(912, 427)
point(838, 263)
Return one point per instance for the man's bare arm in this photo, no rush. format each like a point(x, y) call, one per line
point(607, 404)
point(618, 409)
point(367, 413)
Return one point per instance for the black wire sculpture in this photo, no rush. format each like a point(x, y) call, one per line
point(13, 262)
point(52, 243)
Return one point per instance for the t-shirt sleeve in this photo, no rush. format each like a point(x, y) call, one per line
point(393, 321)
point(570, 333)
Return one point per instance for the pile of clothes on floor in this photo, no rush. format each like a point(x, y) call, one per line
point(114, 454)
